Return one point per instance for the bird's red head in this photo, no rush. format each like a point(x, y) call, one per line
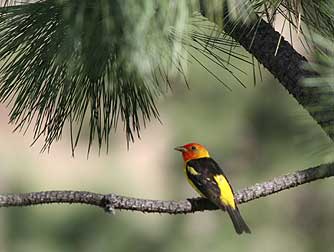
point(192, 151)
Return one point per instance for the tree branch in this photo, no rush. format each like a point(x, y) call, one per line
point(109, 202)
point(277, 55)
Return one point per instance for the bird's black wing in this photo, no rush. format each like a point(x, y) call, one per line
point(201, 174)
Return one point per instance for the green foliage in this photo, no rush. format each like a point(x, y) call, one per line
point(316, 16)
point(320, 18)
point(102, 61)
point(63, 59)
point(323, 83)
point(323, 63)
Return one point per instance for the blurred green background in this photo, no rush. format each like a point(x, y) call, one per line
point(255, 133)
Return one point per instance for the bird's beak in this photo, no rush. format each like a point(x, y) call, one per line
point(180, 148)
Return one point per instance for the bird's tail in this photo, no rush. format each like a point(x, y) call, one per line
point(239, 224)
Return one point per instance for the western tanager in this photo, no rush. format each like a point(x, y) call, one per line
point(209, 180)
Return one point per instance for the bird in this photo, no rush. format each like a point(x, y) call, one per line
point(208, 179)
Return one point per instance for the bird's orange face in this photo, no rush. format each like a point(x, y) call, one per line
point(192, 151)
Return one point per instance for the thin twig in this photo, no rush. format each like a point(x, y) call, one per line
point(109, 202)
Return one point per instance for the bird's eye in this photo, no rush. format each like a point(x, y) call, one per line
point(193, 147)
